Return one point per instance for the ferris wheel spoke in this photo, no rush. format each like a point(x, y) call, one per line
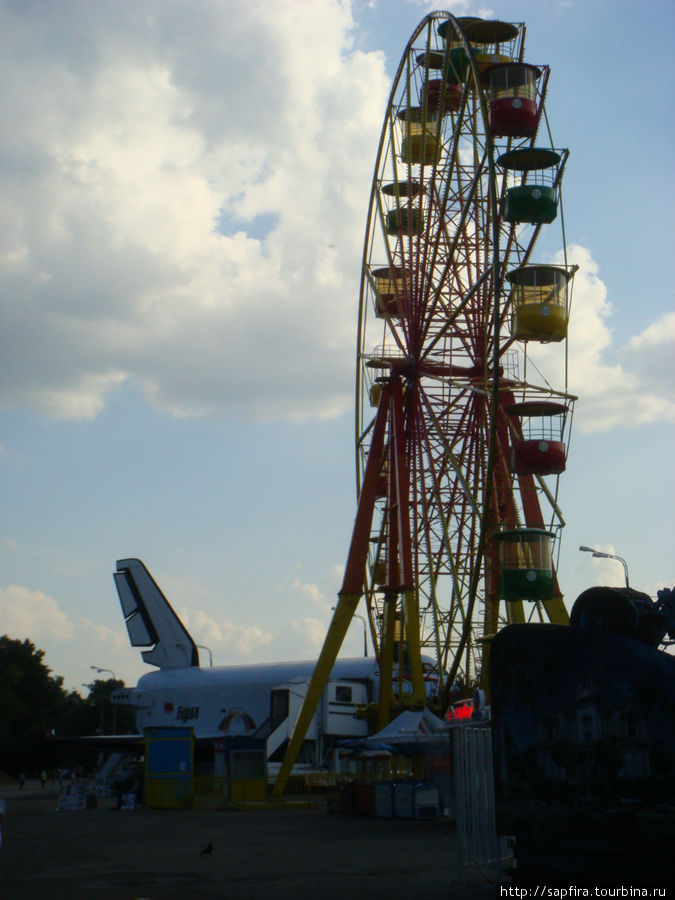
point(465, 298)
point(449, 512)
point(457, 223)
point(453, 461)
point(433, 505)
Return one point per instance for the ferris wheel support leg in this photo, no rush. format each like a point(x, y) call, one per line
point(556, 610)
point(342, 617)
point(408, 636)
point(387, 661)
point(401, 504)
point(348, 597)
point(515, 612)
point(412, 620)
point(485, 670)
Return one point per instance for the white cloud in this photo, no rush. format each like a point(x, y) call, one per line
point(130, 133)
point(653, 353)
point(231, 643)
point(26, 613)
point(312, 593)
point(299, 639)
point(99, 638)
point(225, 639)
point(85, 399)
point(187, 219)
point(35, 616)
point(627, 386)
point(459, 8)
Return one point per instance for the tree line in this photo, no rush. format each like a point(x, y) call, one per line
point(37, 713)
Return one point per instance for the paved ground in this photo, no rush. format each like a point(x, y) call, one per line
point(104, 854)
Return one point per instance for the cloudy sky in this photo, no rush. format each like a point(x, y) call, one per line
point(183, 201)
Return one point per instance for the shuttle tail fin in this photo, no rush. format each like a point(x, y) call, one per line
point(150, 619)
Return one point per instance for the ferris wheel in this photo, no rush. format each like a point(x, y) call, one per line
point(456, 320)
point(462, 408)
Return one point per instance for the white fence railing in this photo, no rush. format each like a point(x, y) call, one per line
point(479, 845)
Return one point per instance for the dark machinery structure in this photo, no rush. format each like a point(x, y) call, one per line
point(627, 612)
point(584, 741)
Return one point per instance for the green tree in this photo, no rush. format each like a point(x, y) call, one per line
point(31, 705)
point(97, 715)
point(37, 713)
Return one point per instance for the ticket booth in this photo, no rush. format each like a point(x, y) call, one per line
point(169, 767)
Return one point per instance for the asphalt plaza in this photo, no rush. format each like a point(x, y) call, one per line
point(145, 854)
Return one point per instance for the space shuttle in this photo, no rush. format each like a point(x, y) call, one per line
point(151, 620)
point(259, 700)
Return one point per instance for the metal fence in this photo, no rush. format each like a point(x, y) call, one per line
point(479, 845)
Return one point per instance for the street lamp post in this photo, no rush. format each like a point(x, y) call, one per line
point(599, 554)
point(208, 649)
point(365, 631)
point(99, 670)
point(114, 708)
point(101, 711)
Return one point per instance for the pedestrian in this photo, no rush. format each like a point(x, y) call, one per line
point(22, 780)
point(43, 779)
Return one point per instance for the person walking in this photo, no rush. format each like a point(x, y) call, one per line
point(43, 779)
point(22, 780)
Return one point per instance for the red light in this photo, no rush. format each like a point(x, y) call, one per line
point(461, 711)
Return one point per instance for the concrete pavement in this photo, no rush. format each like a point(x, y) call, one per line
point(105, 854)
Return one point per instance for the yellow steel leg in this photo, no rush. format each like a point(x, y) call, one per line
point(412, 634)
point(557, 611)
point(485, 667)
point(386, 661)
point(342, 617)
point(515, 611)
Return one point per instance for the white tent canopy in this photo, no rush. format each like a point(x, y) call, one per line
point(410, 726)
